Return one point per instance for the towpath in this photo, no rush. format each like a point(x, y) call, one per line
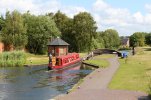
point(95, 86)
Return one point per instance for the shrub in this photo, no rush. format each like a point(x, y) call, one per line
point(12, 59)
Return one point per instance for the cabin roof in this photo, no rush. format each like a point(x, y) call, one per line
point(57, 42)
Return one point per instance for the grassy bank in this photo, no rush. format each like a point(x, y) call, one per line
point(135, 73)
point(82, 54)
point(100, 63)
point(100, 60)
point(33, 59)
point(12, 59)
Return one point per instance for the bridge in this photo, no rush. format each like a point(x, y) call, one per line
point(100, 52)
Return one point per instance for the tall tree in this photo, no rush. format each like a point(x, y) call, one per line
point(65, 25)
point(14, 30)
point(148, 39)
point(137, 39)
point(61, 21)
point(97, 41)
point(1, 22)
point(39, 30)
point(84, 30)
point(111, 38)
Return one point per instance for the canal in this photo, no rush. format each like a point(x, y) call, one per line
point(36, 83)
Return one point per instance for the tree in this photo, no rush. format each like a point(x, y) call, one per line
point(61, 21)
point(148, 39)
point(1, 22)
point(84, 30)
point(97, 41)
point(14, 31)
point(111, 38)
point(39, 30)
point(65, 26)
point(137, 39)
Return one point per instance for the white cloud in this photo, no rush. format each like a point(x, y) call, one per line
point(104, 14)
point(38, 7)
point(100, 5)
point(25, 5)
point(120, 18)
point(71, 11)
point(148, 19)
point(148, 7)
point(138, 17)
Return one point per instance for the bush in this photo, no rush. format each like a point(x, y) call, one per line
point(124, 48)
point(12, 59)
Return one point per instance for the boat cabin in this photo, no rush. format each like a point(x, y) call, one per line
point(58, 47)
point(59, 56)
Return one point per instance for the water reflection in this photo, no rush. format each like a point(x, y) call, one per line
point(29, 83)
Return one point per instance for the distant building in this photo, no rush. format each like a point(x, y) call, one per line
point(1, 47)
point(125, 42)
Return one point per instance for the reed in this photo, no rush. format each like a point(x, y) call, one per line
point(12, 59)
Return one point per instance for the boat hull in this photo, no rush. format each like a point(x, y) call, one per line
point(64, 64)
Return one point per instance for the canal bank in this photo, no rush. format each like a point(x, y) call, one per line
point(95, 86)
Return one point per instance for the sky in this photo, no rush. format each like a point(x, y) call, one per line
point(125, 16)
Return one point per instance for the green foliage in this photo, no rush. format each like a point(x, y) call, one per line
point(61, 21)
point(2, 21)
point(100, 60)
point(12, 59)
point(14, 30)
point(65, 25)
point(111, 38)
point(100, 63)
point(97, 43)
point(124, 48)
point(137, 39)
point(148, 39)
point(39, 30)
point(84, 30)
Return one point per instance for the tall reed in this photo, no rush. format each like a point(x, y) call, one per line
point(12, 59)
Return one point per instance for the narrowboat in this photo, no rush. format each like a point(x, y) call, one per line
point(59, 58)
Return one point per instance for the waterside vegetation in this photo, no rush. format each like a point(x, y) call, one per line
point(33, 59)
point(100, 61)
point(12, 59)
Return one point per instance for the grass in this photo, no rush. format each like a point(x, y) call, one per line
point(135, 73)
point(100, 60)
point(100, 63)
point(82, 54)
point(12, 59)
point(105, 56)
point(33, 59)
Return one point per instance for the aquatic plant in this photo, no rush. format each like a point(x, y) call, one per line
point(12, 59)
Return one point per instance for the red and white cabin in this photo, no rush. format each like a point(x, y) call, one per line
point(58, 55)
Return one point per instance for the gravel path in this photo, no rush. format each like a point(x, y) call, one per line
point(95, 85)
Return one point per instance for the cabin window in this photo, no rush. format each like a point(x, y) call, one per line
point(61, 51)
point(58, 62)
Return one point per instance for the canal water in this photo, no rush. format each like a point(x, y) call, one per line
point(36, 83)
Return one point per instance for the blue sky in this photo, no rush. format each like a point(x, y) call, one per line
point(132, 5)
point(126, 16)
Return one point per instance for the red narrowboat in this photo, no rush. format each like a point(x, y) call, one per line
point(59, 57)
